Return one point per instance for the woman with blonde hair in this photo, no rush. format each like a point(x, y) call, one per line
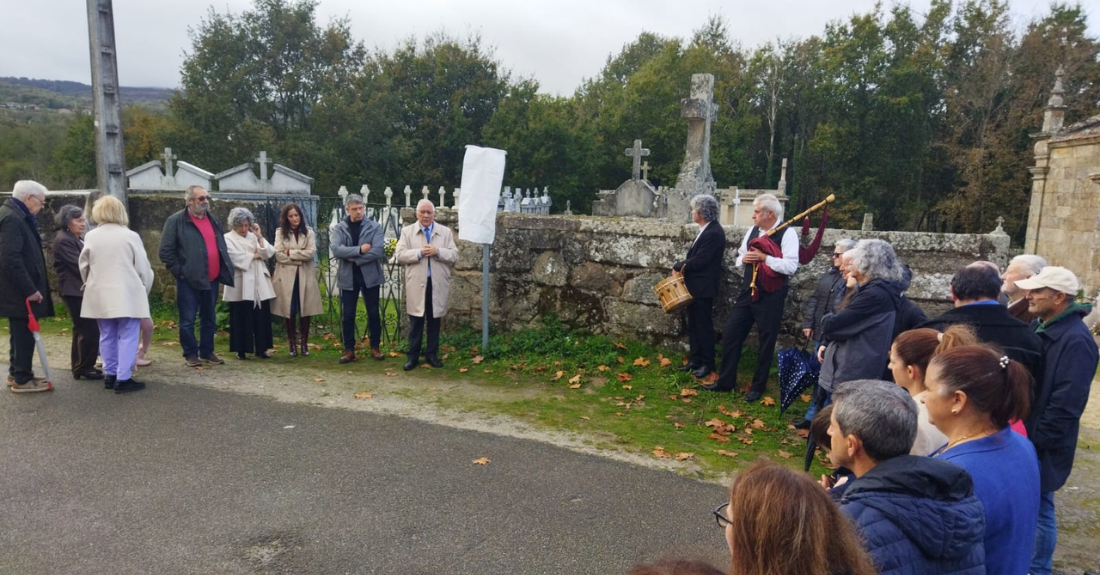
point(297, 294)
point(909, 357)
point(779, 522)
point(117, 280)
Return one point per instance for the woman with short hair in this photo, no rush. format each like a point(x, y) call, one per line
point(117, 280)
point(67, 245)
point(250, 295)
point(779, 522)
point(297, 294)
point(973, 393)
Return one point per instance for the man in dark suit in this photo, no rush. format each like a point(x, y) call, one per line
point(975, 289)
point(702, 271)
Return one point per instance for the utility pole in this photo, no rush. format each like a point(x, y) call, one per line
point(110, 165)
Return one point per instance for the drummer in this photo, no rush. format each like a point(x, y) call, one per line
point(767, 311)
point(701, 271)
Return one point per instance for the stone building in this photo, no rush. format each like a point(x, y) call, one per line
point(1063, 222)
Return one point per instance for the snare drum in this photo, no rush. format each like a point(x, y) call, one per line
point(672, 293)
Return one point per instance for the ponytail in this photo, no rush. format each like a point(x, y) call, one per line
point(996, 385)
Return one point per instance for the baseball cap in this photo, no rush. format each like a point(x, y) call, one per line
point(1053, 277)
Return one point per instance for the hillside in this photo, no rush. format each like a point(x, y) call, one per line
point(57, 94)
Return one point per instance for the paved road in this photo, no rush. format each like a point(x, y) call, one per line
point(184, 479)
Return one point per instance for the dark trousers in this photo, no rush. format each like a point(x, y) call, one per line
point(85, 346)
point(416, 329)
point(701, 332)
point(192, 302)
point(250, 327)
point(21, 352)
point(349, 301)
point(766, 315)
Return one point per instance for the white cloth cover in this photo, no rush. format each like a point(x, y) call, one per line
point(482, 176)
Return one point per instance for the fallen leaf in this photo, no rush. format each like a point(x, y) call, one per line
point(768, 401)
point(391, 354)
point(746, 441)
point(619, 413)
point(684, 456)
point(482, 461)
point(688, 392)
point(620, 346)
point(575, 386)
point(785, 455)
point(714, 423)
point(463, 369)
point(719, 438)
point(445, 356)
point(748, 431)
point(575, 378)
point(641, 361)
point(364, 395)
point(488, 371)
point(391, 373)
point(686, 400)
point(557, 363)
point(625, 377)
point(674, 397)
point(477, 359)
point(603, 368)
point(726, 453)
point(558, 375)
point(660, 453)
point(758, 424)
point(628, 387)
point(678, 424)
point(620, 359)
point(805, 397)
point(665, 362)
point(318, 379)
point(585, 417)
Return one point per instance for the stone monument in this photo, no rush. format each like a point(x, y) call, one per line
point(695, 176)
point(635, 197)
point(150, 177)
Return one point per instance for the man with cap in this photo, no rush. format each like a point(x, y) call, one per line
point(1070, 358)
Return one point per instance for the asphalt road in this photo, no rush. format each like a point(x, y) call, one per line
point(184, 479)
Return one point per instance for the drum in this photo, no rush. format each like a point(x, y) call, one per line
point(672, 293)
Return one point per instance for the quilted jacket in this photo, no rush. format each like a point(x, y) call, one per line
point(918, 516)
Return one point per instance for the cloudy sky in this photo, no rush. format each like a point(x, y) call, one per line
point(558, 43)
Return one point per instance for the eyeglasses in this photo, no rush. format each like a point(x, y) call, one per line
point(720, 516)
point(202, 198)
point(835, 256)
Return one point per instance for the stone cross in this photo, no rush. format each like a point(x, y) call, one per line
point(343, 193)
point(408, 196)
point(365, 192)
point(637, 152)
point(168, 157)
point(568, 208)
point(389, 196)
point(1000, 226)
point(695, 176)
point(645, 170)
point(263, 161)
point(443, 197)
point(424, 192)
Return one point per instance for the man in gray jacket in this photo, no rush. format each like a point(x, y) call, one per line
point(359, 245)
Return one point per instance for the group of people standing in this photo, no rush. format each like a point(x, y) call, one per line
point(951, 434)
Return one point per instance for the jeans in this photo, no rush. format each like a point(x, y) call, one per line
point(190, 302)
point(118, 342)
point(1046, 536)
point(349, 300)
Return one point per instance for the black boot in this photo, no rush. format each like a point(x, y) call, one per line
point(303, 325)
point(128, 385)
point(109, 382)
point(292, 336)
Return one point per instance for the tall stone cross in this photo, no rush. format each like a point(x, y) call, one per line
point(645, 170)
point(263, 161)
point(168, 157)
point(637, 152)
point(701, 111)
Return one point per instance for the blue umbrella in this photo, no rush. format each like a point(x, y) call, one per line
point(798, 369)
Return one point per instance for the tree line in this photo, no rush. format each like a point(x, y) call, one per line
point(924, 119)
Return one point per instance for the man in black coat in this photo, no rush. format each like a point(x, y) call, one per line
point(702, 272)
point(975, 290)
point(22, 278)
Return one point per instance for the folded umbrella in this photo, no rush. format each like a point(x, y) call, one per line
point(797, 371)
point(32, 324)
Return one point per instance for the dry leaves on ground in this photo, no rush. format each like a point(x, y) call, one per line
point(628, 387)
point(785, 455)
point(463, 369)
point(726, 453)
point(603, 368)
point(678, 424)
point(620, 346)
point(641, 361)
point(625, 377)
point(482, 461)
point(732, 414)
point(768, 401)
point(575, 386)
point(558, 375)
point(364, 395)
point(719, 438)
point(684, 456)
point(660, 453)
point(575, 379)
point(758, 424)
point(688, 392)
point(477, 359)
point(318, 379)
point(806, 397)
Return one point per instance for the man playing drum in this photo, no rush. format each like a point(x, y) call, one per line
point(767, 311)
point(701, 271)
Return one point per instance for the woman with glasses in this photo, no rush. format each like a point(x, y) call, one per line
point(779, 522)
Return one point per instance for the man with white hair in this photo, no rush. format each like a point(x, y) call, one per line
point(428, 252)
point(767, 309)
point(1069, 363)
point(23, 279)
point(1021, 267)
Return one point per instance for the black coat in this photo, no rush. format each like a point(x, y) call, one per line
point(22, 265)
point(994, 324)
point(66, 262)
point(1070, 358)
point(857, 338)
point(183, 251)
point(703, 267)
point(830, 288)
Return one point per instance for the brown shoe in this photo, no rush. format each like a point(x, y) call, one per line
point(11, 380)
point(214, 359)
point(31, 386)
point(377, 355)
point(348, 357)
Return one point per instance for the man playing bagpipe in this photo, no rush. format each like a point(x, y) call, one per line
point(755, 304)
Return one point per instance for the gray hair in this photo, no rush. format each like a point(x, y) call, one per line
point(24, 189)
point(66, 215)
point(875, 259)
point(238, 216)
point(845, 244)
point(1032, 263)
point(706, 206)
point(353, 199)
point(770, 203)
point(881, 414)
point(190, 193)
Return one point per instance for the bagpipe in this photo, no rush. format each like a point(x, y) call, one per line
point(771, 280)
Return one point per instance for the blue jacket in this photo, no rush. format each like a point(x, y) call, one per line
point(918, 516)
point(1069, 364)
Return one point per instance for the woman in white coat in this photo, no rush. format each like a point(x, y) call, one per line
point(117, 280)
point(250, 295)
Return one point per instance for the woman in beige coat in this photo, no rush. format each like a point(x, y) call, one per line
point(296, 290)
point(250, 295)
point(117, 280)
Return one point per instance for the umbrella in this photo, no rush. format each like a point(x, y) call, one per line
point(798, 369)
point(32, 324)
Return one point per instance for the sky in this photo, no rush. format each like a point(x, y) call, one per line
point(557, 43)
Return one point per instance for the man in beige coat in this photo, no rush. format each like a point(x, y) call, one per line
point(428, 252)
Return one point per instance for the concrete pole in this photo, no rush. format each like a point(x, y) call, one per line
point(110, 156)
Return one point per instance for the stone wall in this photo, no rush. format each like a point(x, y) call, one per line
point(598, 273)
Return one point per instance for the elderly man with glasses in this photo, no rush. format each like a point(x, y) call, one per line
point(23, 279)
point(193, 249)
